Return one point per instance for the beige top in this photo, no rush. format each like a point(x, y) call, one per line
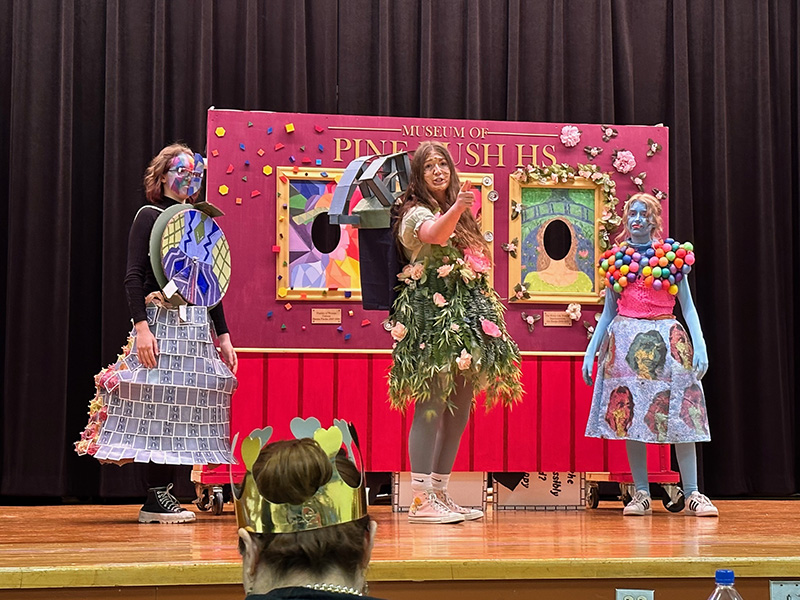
point(413, 248)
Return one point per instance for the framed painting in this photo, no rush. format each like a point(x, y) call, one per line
point(554, 235)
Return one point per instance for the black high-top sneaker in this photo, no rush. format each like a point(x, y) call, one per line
point(163, 507)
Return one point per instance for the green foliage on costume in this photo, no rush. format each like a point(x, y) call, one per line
point(448, 321)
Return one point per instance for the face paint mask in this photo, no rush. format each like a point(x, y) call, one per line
point(186, 175)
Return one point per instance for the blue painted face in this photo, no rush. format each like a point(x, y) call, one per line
point(638, 225)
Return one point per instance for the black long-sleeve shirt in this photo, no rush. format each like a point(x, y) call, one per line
point(139, 277)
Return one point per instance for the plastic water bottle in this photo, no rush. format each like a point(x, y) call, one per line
point(724, 589)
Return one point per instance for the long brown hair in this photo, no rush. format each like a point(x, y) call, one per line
point(653, 215)
point(291, 471)
point(468, 232)
point(158, 167)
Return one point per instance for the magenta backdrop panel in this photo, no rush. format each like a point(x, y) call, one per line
point(247, 149)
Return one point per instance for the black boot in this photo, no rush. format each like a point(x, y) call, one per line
point(163, 507)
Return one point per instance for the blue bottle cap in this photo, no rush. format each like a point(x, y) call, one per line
point(724, 577)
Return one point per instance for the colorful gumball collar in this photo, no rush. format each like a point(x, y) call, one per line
point(662, 265)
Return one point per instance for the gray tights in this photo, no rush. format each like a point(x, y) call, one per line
point(436, 431)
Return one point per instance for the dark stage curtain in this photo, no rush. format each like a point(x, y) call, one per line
point(91, 89)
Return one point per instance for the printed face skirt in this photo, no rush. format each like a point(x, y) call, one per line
point(646, 388)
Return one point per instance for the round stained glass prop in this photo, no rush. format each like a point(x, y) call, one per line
point(189, 250)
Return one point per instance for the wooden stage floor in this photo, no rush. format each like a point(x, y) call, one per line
point(102, 552)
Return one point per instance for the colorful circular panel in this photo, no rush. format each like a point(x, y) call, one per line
point(194, 256)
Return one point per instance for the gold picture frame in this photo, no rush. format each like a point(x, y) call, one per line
point(562, 211)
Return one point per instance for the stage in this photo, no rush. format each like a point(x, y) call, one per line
point(91, 552)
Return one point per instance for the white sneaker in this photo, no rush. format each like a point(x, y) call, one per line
point(698, 505)
point(427, 508)
point(639, 505)
point(470, 514)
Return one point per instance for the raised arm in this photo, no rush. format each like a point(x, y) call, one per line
point(700, 362)
point(609, 312)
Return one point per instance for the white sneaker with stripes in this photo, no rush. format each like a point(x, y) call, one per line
point(639, 505)
point(698, 505)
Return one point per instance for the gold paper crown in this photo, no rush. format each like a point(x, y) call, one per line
point(333, 503)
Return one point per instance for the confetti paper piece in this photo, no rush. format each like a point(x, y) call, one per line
point(219, 131)
point(302, 148)
point(244, 178)
point(278, 146)
point(215, 153)
point(319, 162)
point(238, 200)
point(283, 326)
point(223, 190)
point(306, 160)
point(348, 294)
point(292, 159)
point(280, 277)
point(318, 129)
point(303, 328)
point(284, 179)
point(340, 329)
point(276, 248)
point(324, 292)
point(247, 163)
point(255, 193)
point(321, 147)
point(285, 264)
point(365, 322)
point(267, 170)
point(241, 146)
point(303, 296)
point(260, 152)
point(269, 314)
point(249, 123)
point(324, 174)
point(269, 130)
point(288, 306)
point(284, 206)
point(282, 291)
point(346, 336)
point(350, 313)
point(280, 218)
point(295, 169)
point(229, 170)
point(289, 127)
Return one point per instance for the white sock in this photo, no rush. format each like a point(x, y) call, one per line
point(420, 482)
point(440, 481)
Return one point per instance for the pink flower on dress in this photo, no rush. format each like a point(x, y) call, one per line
point(454, 327)
point(399, 331)
point(570, 136)
point(477, 261)
point(624, 161)
point(490, 328)
point(465, 360)
point(439, 300)
point(444, 270)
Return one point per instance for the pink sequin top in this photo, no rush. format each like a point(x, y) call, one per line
point(641, 302)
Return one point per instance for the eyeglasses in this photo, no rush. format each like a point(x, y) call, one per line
point(441, 165)
point(184, 171)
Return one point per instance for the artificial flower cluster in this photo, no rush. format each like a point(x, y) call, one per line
point(104, 381)
point(662, 266)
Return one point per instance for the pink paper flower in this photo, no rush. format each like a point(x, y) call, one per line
point(439, 300)
point(477, 261)
point(444, 270)
point(570, 136)
point(399, 331)
point(574, 311)
point(454, 327)
point(624, 161)
point(465, 360)
point(491, 329)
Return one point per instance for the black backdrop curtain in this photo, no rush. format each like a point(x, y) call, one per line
point(91, 89)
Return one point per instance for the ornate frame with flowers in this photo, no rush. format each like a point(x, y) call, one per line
point(605, 218)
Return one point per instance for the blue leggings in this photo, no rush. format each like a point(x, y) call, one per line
point(687, 461)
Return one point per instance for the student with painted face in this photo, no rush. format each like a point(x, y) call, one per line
point(173, 177)
point(648, 386)
point(451, 339)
